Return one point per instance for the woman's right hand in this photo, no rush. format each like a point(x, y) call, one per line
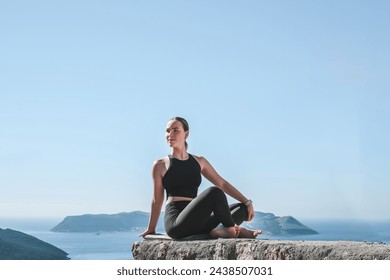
point(158, 197)
point(146, 232)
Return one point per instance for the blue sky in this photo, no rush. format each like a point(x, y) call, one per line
point(287, 99)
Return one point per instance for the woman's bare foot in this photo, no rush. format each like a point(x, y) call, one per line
point(224, 232)
point(247, 233)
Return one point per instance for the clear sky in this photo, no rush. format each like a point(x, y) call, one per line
point(289, 100)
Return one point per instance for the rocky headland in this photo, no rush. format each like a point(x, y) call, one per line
point(248, 249)
point(136, 220)
point(16, 245)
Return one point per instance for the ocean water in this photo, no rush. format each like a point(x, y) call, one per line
point(352, 230)
point(92, 246)
point(117, 245)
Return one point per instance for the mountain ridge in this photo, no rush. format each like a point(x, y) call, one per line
point(16, 245)
point(138, 221)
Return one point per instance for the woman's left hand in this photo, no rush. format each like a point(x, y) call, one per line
point(251, 212)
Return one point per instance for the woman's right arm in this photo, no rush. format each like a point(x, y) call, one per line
point(158, 197)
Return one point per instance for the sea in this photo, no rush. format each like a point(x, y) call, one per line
point(117, 245)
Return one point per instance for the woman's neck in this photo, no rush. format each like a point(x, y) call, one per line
point(180, 154)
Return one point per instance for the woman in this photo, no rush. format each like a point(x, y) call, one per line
point(187, 213)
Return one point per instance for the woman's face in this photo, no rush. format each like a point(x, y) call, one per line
point(175, 134)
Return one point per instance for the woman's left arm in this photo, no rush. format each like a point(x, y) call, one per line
point(212, 175)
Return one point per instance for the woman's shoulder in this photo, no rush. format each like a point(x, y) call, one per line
point(161, 164)
point(198, 158)
point(201, 160)
point(161, 160)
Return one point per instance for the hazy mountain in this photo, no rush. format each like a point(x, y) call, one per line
point(274, 225)
point(138, 221)
point(16, 245)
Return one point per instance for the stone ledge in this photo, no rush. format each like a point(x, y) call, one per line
point(248, 249)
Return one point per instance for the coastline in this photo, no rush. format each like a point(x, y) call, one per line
point(116, 245)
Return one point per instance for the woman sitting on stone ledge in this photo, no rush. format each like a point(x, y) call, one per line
point(187, 213)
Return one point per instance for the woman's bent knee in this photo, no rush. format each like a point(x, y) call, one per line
point(174, 233)
point(213, 189)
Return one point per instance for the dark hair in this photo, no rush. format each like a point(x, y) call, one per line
point(183, 121)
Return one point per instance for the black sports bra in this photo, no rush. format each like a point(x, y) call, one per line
point(183, 177)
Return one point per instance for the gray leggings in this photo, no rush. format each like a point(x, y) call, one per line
point(202, 214)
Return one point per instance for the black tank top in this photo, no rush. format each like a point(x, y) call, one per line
point(183, 177)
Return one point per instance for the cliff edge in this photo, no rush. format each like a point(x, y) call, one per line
point(248, 249)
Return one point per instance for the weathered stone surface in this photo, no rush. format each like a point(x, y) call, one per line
point(248, 249)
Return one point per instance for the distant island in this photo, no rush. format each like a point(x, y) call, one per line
point(133, 221)
point(274, 225)
point(16, 245)
point(138, 221)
